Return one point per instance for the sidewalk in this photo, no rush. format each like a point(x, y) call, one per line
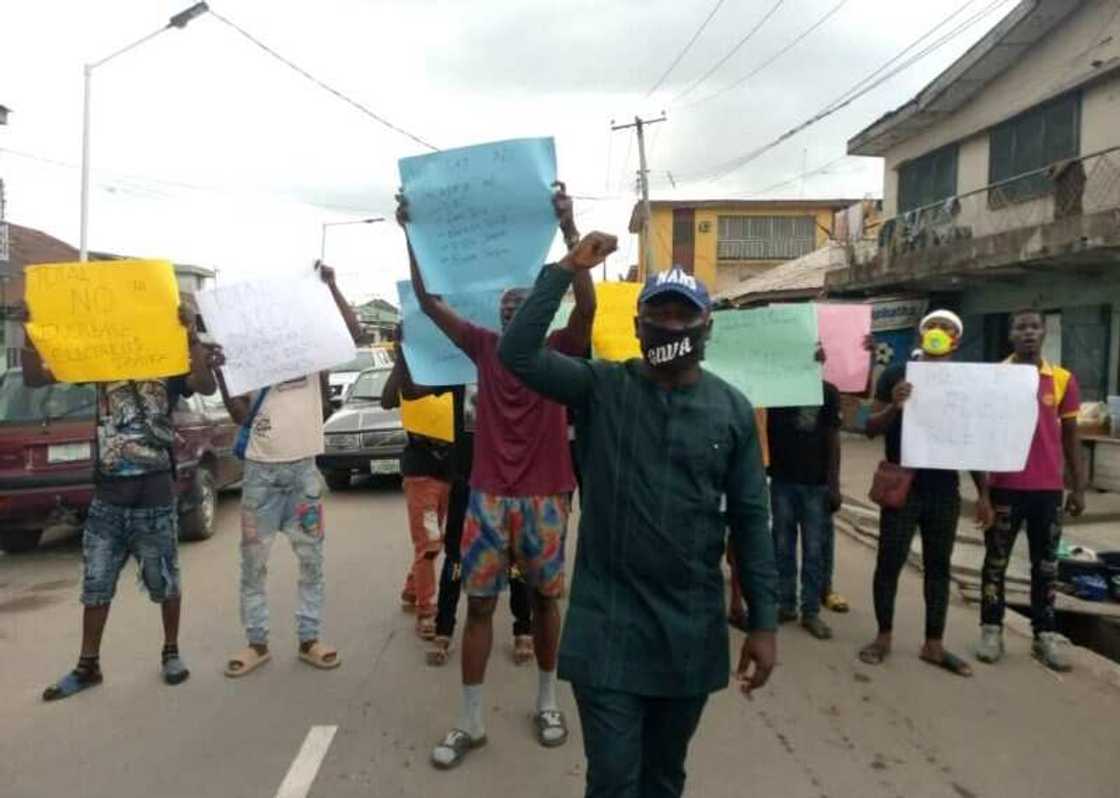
point(1097, 529)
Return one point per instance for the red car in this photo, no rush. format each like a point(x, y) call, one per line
point(46, 460)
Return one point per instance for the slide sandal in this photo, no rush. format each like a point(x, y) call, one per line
point(874, 654)
point(951, 663)
point(318, 656)
point(71, 684)
point(245, 661)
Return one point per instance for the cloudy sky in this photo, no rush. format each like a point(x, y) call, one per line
point(206, 150)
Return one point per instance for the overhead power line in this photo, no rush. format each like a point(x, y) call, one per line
point(804, 35)
point(728, 167)
point(687, 47)
point(326, 87)
point(726, 58)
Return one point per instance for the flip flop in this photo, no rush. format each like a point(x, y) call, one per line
point(523, 651)
point(874, 654)
point(440, 652)
point(174, 671)
point(551, 720)
point(71, 684)
point(248, 661)
point(458, 743)
point(316, 656)
point(951, 663)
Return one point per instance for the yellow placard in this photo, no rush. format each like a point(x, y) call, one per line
point(432, 417)
point(108, 320)
point(612, 333)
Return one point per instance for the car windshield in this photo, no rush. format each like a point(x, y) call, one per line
point(20, 404)
point(368, 387)
point(363, 361)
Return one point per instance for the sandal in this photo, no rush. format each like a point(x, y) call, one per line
point(951, 663)
point(835, 602)
point(440, 651)
point(408, 601)
point(246, 661)
point(454, 749)
point(71, 684)
point(874, 653)
point(321, 657)
point(426, 628)
point(552, 730)
point(523, 651)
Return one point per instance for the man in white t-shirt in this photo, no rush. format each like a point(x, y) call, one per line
point(283, 492)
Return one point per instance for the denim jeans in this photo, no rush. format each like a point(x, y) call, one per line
point(113, 534)
point(799, 507)
point(288, 498)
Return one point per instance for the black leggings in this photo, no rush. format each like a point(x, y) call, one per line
point(450, 578)
point(936, 514)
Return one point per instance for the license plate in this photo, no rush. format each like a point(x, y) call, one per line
point(69, 452)
point(385, 467)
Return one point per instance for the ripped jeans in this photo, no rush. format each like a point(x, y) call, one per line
point(1042, 512)
point(113, 534)
point(288, 498)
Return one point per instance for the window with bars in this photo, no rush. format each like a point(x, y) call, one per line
point(766, 237)
point(928, 180)
point(1037, 138)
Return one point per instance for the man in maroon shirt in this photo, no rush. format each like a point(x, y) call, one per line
point(521, 481)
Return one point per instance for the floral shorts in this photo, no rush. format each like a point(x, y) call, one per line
point(525, 531)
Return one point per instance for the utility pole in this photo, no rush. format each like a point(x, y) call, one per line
point(643, 181)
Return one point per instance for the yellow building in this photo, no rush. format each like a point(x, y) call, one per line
point(726, 241)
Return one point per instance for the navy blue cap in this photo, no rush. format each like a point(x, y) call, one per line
point(677, 281)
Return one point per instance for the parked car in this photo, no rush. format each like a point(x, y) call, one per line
point(361, 437)
point(47, 450)
point(342, 377)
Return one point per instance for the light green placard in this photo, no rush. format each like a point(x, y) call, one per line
point(768, 354)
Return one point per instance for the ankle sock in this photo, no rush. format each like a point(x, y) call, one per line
point(546, 691)
point(470, 718)
point(170, 651)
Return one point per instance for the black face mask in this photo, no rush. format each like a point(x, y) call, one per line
point(669, 349)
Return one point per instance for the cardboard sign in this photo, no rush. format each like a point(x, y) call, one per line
point(275, 330)
point(432, 358)
point(106, 321)
point(612, 332)
point(433, 417)
point(843, 329)
point(481, 217)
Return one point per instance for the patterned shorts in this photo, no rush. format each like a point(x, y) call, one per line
point(525, 531)
point(114, 534)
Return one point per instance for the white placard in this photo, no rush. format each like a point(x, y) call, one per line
point(274, 330)
point(969, 416)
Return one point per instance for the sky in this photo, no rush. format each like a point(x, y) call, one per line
point(206, 150)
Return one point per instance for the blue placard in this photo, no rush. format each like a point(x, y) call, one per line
point(481, 217)
point(432, 358)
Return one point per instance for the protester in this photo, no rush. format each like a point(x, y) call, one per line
point(521, 482)
point(932, 504)
point(426, 465)
point(804, 493)
point(645, 640)
point(133, 513)
point(282, 491)
point(1034, 496)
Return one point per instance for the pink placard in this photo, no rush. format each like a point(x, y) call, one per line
point(842, 330)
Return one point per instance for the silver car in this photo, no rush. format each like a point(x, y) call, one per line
point(360, 437)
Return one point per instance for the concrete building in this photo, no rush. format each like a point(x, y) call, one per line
point(1002, 189)
point(725, 242)
point(378, 318)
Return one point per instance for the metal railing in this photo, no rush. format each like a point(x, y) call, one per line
point(1062, 190)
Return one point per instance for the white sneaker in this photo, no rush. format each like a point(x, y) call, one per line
point(990, 648)
point(1052, 650)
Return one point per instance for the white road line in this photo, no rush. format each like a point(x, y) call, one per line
point(305, 767)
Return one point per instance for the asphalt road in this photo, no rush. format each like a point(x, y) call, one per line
point(826, 726)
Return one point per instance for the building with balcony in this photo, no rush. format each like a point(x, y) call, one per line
point(1002, 189)
point(725, 242)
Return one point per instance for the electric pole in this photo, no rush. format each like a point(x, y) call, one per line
point(643, 182)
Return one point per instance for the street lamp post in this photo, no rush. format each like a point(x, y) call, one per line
point(179, 21)
point(323, 242)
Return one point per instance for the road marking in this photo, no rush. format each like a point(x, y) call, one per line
point(305, 767)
